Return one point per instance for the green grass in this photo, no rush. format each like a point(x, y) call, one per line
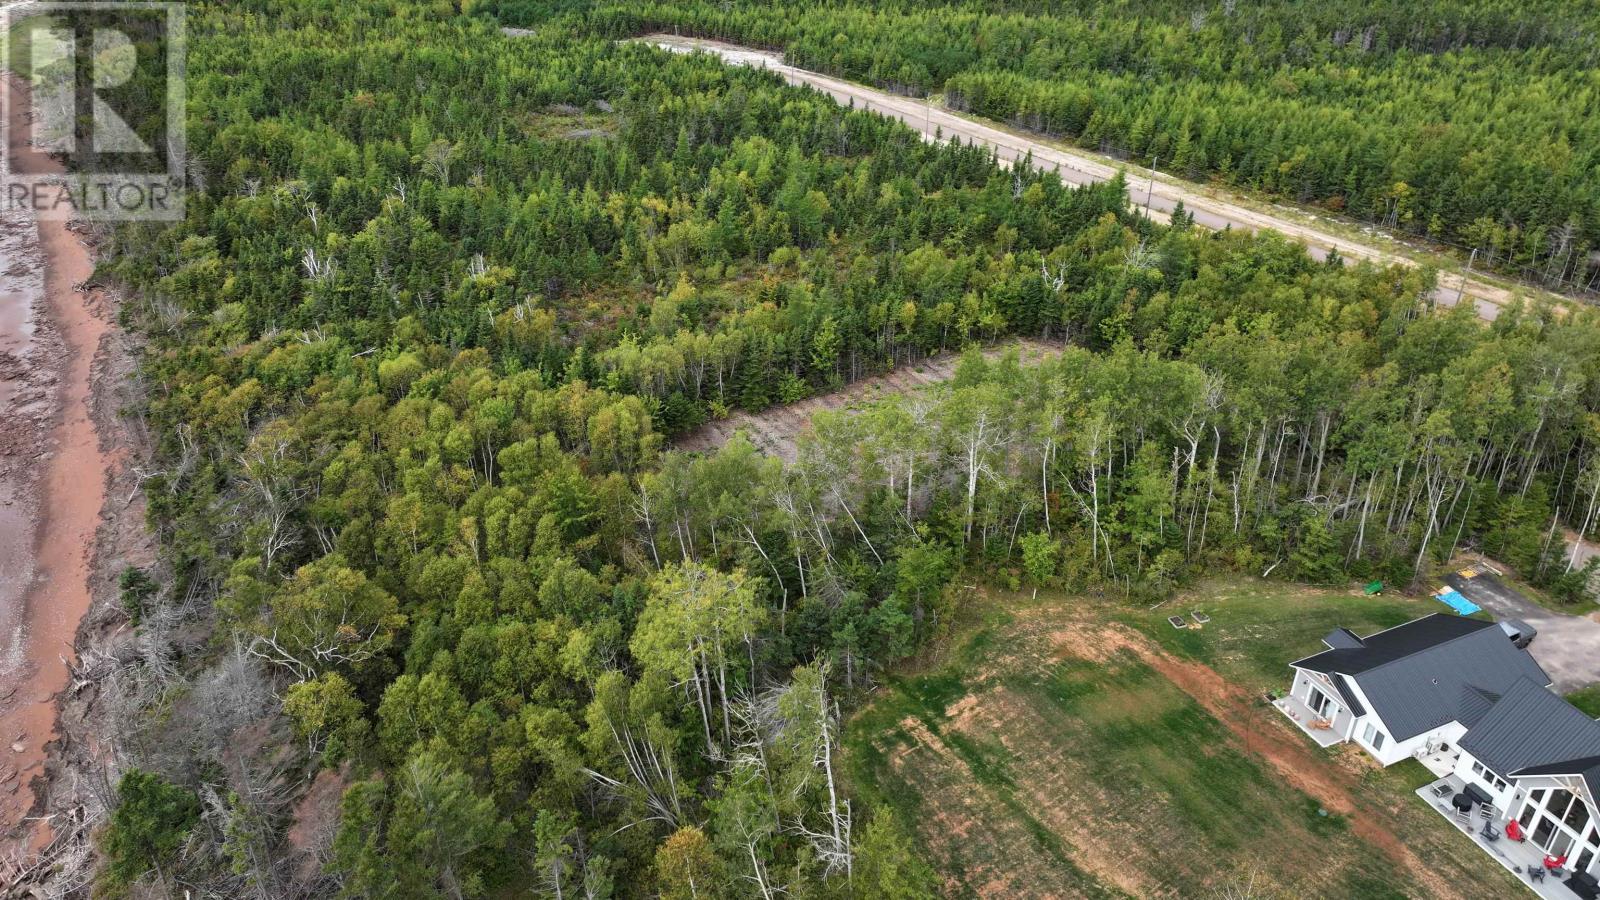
point(1258, 627)
point(1063, 745)
point(1025, 769)
point(1587, 699)
point(877, 734)
point(1543, 598)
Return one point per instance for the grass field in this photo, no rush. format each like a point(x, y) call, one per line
point(1061, 746)
point(1587, 699)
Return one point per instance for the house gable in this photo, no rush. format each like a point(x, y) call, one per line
point(1531, 731)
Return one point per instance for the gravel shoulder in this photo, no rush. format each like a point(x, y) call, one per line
point(1160, 193)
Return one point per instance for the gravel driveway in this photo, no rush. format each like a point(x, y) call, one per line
point(1568, 647)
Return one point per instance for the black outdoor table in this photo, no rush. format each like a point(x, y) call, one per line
point(1478, 794)
point(1584, 885)
point(1461, 802)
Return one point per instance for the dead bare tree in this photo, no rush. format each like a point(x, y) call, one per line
point(652, 777)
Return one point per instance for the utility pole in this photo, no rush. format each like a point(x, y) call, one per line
point(1152, 186)
point(1460, 289)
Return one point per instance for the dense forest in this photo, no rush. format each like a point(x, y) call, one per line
point(441, 300)
point(1469, 122)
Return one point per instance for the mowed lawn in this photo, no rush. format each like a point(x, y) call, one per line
point(1063, 747)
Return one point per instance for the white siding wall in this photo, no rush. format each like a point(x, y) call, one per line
point(1503, 797)
point(1395, 751)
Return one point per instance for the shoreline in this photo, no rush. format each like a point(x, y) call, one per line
point(66, 478)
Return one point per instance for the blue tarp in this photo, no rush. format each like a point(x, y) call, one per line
point(1455, 601)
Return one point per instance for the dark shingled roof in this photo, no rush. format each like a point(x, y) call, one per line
point(1532, 728)
point(1587, 768)
point(1349, 695)
point(1475, 703)
point(1342, 639)
point(1431, 671)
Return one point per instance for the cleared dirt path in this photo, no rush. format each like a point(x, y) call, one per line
point(775, 431)
point(1160, 194)
point(52, 478)
point(1264, 735)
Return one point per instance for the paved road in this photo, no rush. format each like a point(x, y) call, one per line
point(1161, 194)
point(1568, 647)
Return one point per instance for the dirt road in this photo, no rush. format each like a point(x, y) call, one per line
point(52, 479)
point(1160, 194)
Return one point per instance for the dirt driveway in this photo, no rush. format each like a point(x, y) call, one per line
point(1568, 647)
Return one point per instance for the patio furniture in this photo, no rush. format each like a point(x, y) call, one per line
point(1490, 833)
point(1514, 831)
point(1554, 863)
point(1478, 794)
point(1487, 813)
point(1464, 818)
point(1535, 873)
point(1462, 802)
point(1584, 885)
point(1442, 788)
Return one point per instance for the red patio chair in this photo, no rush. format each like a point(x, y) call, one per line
point(1514, 831)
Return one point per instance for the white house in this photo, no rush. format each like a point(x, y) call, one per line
point(1458, 692)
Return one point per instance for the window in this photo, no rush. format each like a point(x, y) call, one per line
point(1577, 816)
point(1489, 777)
point(1544, 831)
point(1374, 736)
point(1557, 805)
point(1319, 702)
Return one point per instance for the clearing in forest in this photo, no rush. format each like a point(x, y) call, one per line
point(1069, 747)
point(776, 430)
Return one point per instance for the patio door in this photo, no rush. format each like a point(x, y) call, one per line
point(1544, 831)
point(1554, 840)
point(1319, 701)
